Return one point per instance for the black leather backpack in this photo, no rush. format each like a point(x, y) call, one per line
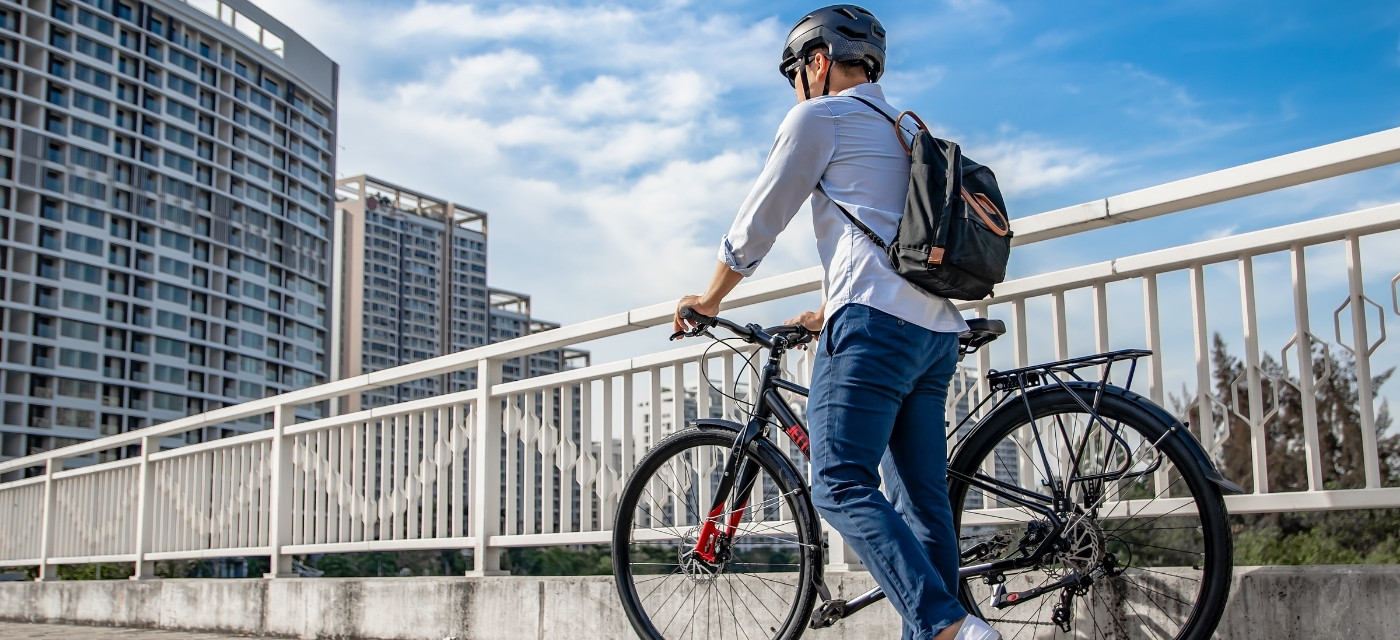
point(954, 238)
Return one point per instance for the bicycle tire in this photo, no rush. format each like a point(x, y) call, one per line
point(1117, 606)
point(749, 596)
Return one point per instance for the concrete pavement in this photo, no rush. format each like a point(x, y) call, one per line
point(26, 631)
point(1344, 601)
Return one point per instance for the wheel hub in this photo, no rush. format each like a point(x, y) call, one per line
point(1081, 546)
point(694, 565)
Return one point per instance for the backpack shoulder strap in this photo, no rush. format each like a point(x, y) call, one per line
point(875, 108)
point(869, 233)
point(899, 130)
point(858, 224)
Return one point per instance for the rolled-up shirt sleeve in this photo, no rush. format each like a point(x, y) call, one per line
point(801, 152)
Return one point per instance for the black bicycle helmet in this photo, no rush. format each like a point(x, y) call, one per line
point(850, 33)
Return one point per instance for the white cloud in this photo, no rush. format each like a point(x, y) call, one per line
point(981, 8)
point(1053, 40)
point(1025, 164)
point(1220, 232)
point(1159, 99)
point(466, 21)
point(900, 83)
point(602, 141)
point(472, 80)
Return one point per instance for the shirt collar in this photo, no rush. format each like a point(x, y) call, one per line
point(865, 90)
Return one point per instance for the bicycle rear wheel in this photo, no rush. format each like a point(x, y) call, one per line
point(757, 584)
point(1146, 550)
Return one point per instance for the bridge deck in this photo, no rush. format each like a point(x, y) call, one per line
point(27, 631)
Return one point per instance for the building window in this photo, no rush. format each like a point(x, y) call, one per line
point(77, 359)
point(81, 301)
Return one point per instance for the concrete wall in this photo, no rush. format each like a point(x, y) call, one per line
point(1268, 602)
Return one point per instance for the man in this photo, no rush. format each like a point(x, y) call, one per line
point(888, 349)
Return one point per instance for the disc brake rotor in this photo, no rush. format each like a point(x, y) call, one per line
point(1083, 550)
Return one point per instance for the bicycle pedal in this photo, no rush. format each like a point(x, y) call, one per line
point(827, 614)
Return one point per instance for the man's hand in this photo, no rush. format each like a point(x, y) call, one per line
point(695, 303)
point(721, 283)
point(812, 320)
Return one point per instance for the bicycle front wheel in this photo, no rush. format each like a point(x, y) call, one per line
point(755, 581)
point(1145, 551)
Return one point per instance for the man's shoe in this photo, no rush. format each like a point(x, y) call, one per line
point(975, 628)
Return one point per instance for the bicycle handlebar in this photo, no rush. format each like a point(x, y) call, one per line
point(790, 335)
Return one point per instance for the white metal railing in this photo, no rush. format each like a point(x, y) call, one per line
point(484, 469)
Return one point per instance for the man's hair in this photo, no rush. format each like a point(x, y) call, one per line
point(847, 66)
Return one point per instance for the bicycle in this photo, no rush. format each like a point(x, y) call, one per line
point(1082, 510)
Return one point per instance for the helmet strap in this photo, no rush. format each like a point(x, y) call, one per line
point(826, 85)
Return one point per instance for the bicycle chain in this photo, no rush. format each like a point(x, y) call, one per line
point(980, 537)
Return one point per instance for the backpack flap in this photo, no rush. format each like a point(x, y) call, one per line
point(929, 207)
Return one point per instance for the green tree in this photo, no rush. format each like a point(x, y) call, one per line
point(1337, 402)
point(1364, 536)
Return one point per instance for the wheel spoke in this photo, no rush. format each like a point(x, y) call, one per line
point(1169, 575)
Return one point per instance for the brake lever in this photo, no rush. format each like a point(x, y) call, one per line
point(699, 330)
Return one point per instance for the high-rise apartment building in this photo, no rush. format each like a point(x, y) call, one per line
point(166, 188)
point(410, 275)
point(411, 285)
point(509, 316)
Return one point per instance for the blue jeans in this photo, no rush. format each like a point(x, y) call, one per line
point(878, 394)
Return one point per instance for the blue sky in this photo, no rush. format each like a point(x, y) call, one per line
point(612, 142)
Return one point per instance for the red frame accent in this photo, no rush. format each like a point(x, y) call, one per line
point(799, 437)
point(705, 546)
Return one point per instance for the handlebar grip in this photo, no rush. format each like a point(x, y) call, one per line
point(689, 314)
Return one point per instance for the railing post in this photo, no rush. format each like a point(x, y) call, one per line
point(1259, 445)
point(485, 505)
point(279, 531)
point(1361, 340)
point(145, 509)
point(47, 571)
point(840, 556)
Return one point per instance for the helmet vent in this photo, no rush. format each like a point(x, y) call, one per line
point(879, 31)
point(845, 12)
point(864, 11)
point(850, 33)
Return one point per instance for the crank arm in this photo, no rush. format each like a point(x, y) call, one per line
point(1001, 599)
point(828, 612)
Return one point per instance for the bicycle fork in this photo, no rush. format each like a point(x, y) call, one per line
point(739, 476)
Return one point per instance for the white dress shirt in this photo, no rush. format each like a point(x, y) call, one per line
point(859, 162)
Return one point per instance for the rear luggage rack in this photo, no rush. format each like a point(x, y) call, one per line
point(1041, 374)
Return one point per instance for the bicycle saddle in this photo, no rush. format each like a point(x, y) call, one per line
point(979, 332)
point(987, 326)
